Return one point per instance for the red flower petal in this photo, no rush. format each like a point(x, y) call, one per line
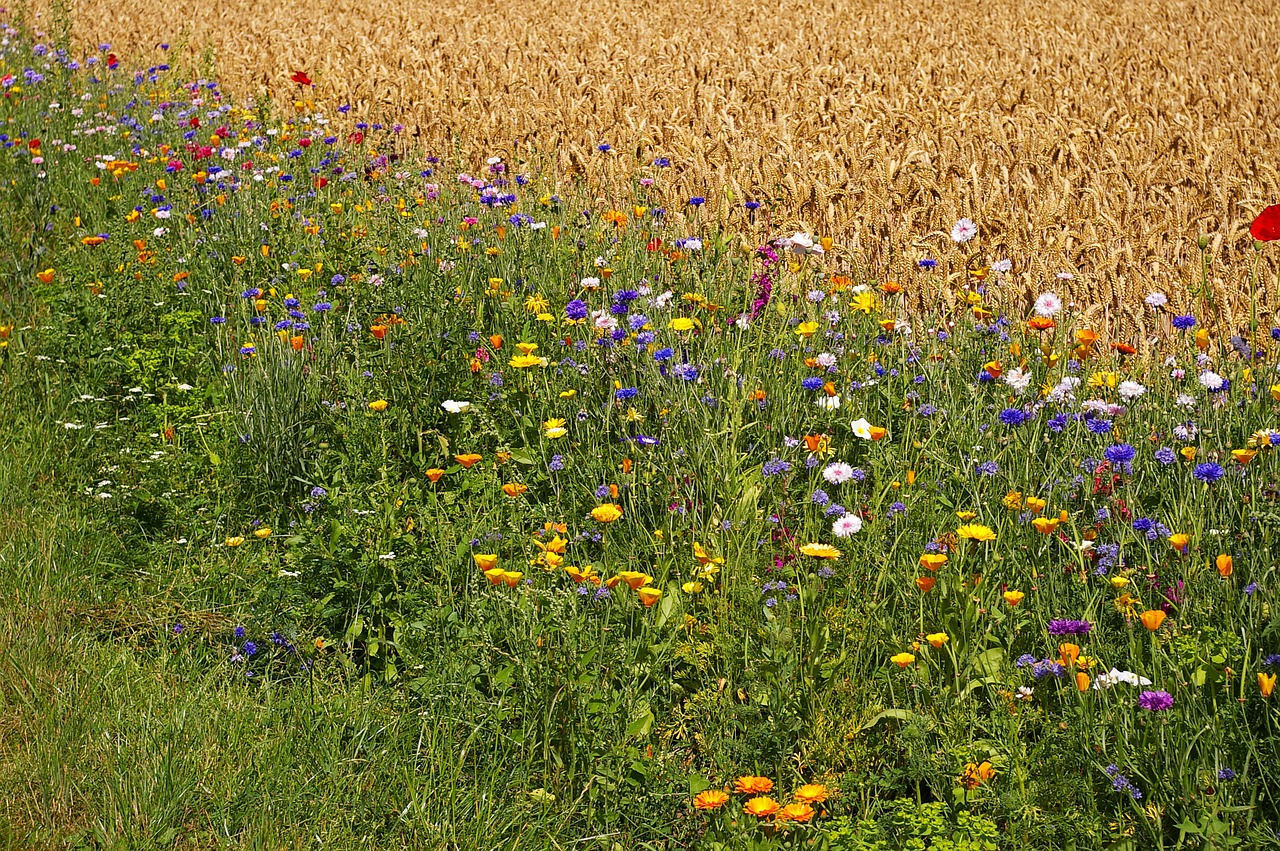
point(1266, 228)
point(301, 78)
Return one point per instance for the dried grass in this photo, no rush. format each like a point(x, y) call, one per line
point(1098, 136)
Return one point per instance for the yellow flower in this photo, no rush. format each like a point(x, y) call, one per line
point(568, 394)
point(527, 348)
point(937, 639)
point(1013, 598)
point(820, 551)
point(966, 516)
point(1266, 683)
point(807, 329)
point(378, 405)
point(485, 561)
point(691, 588)
point(932, 561)
point(976, 774)
point(902, 660)
point(681, 323)
point(525, 361)
point(1118, 582)
point(234, 541)
point(555, 428)
point(512, 577)
point(264, 532)
point(864, 301)
point(1179, 541)
point(606, 513)
point(535, 304)
point(976, 532)
point(1045, 524)
point(648, 596)
point(1012, 500)
point(703, 558)
point(1082, 681)
point(514, 489)
point(1188, 453)
point(1036, 504)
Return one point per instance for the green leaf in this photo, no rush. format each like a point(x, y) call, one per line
point(890, 714)
point(698, 784)
point(641, 725)
point(522, 456)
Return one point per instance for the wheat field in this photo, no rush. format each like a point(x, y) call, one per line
point(1100, 137)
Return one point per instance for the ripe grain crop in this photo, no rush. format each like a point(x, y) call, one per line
point(1107, 138)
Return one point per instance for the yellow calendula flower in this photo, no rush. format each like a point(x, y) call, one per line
point(554, 428)
point(234, 541)
point(261, 533)
point(536, 304)
point(682, 323)
point(820, 551)
point(976, 532)
point(526, 361)
point(378, 405)
point(606, 513)
point(692, 587)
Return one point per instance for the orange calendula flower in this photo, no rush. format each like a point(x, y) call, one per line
point(712, 799)
point(976, 774)
point(514, 489)
point(752, 785)
point(811, 793)
point(937, 639)
point(1225, 565)
point(1040, 323)
point(932, 561)
point(1152, 619)
point(796, 812)
point(512, 577)
point(467, 460)
point(494, 575)
point(635, 579)
point(761, 807)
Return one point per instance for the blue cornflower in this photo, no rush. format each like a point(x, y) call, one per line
point(576, 309)
point(1098, 425)
point(697, 201)
point(1120, 455)
point(626, 393)
point(662, 354)
point(1184, 321)
point(928, 263)
point(662, 162)
point(897, 508)
point(819, 497)
point(685, 371)
point(775, 467)
point(1013, 416)
point(812, 383)
point(1165, 455)
point(1208, 472)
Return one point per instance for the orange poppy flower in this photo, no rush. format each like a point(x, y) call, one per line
point(467, 460)
point(434, 474)
point(926, 583)
point(1152, 619)
point(514, 489)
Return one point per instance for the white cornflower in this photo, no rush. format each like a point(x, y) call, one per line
point(837, 473)
point(1130, 390)
point(1156, 300)
point(1211, 381)
point(455, 407)
point(963, 231)
point(1002, 266)
point(1017, 379)
point(844, 527)
point(1048, 304)
point(826, 360)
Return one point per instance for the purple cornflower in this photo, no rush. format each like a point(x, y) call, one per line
point(1069, 627)
point(1155, 701)
point(1184, 321)
point(1014, 416)
point(1120, 454)
point(1166, 456)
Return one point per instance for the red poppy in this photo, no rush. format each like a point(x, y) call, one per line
point(301, 78)
point(1266, 228)
point(112, 61)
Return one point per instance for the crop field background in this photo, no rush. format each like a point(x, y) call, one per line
point(1099, 137)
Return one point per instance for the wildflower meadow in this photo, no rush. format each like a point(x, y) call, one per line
point(359, 494)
